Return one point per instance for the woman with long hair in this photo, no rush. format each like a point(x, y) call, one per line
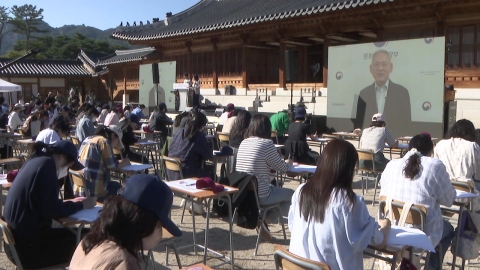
point(128, 224)
point(328, 221)
point(96, 154)
point(237, 134)
point(190, 145)
point(420, 179)
point(257, 156)
point(55, 133)
point(32, 203)
point(180, 121)
point(196, 88)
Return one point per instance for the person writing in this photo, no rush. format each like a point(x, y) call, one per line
point(96, 155)
point(138, 111)
point(384, 96)
point(14, 120)
point(420, 179)
point(296, 146)
point(129, 223)
point(160, 120)
point(328, 221)
point(33, 202)
point(85, 127)
point(280, 123)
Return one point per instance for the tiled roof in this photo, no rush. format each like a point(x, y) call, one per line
point(33, 67)
point(210, 15)
point(124, 56)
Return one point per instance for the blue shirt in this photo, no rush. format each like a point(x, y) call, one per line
point(85, 128)
point(191, 153)
point(138, 111)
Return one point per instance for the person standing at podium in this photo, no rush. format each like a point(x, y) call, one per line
point(190, 92)
point(196, 88)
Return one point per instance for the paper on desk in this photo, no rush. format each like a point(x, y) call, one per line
point(303, 168)
point(185, 184)
point(463, 194)
point(88, 215)
point(409, 236)
point(3, 181)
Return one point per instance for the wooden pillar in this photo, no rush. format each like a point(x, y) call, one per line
point(189, 58)
point(124, 80)
point(326, 44)
point(214, 63)
point(302, 64)
point(281, 65)
point(244, 66)
point(110, 85)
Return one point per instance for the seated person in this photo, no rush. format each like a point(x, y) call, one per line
point(127, 110)
point(139, 111)
point(297, 140)
point(328, 221)
point(190, 145)
point(54, 133)
point(63, 114)
point(85, 127)
point(420, 179)
point(14, 120)
point(461, 155)
point(280, 123)
point(129, 224)
point(103, 113)
point(180, 121)
point(113, 118)
point(237, 135)
point(374, 138)
point(40, 116)
point(225, 115)
point(257, 156)
point(82, 110)
point(227, 127)
point(160, 120)
point(96, 154)
point(33, 202)
point(128, 139)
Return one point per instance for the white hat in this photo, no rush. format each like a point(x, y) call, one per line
point(18, 106)
point(118, 132)
point(378, 117)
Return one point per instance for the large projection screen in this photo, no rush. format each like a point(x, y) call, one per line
point(403, 78)
point(147, 93)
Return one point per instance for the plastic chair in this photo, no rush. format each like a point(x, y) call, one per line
point(8, 238)
point(368, 155)
point(286, 260)
point(79, 180)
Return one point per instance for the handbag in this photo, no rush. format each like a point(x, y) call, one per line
point(467, 248)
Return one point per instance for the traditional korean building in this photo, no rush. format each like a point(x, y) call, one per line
point(43, 76)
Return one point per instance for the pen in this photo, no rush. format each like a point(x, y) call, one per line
point(190, 184)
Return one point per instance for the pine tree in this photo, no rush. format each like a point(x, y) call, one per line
point(4, 19)
point(26, 20)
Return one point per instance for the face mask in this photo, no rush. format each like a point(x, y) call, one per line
point(62, 172)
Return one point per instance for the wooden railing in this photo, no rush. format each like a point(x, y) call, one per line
point(463, 78)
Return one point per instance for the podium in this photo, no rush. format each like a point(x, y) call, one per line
point(182, 89)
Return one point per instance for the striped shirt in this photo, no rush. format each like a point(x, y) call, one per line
point(256, 156)
point(96, 154)
point(430, 188)
point(374, 138)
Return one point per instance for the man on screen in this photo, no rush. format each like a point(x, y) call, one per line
point(383, 96)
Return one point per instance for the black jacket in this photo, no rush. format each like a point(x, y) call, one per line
point(244, 199)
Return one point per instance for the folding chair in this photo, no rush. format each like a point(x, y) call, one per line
point(417, 216)
point(8, 238)
point(175, 165)
point(286, 260)
point(368, 155)
point(262, 211)
point(274, 134)
point(223, 138)
point(168, 240)
point(77, 178)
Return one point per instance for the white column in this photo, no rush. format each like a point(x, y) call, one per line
point(125, 100)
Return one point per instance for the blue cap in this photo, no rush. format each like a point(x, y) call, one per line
point(65, 108)
point(67, 148)
point(134, 118)
point(300, 113)
point(152, 194)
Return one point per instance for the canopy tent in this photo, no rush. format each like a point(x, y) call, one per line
point(7, 87)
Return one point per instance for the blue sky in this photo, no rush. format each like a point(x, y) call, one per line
point(103, 14)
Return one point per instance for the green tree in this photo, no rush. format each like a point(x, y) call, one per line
point(4, 19)
point(26, 20)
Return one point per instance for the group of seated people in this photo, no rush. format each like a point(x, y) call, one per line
point(328, 221)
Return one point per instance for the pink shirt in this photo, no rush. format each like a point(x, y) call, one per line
point(108, 255)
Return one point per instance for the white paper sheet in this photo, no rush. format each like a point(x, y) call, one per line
point(188, 185)
point(88, 215)
point(303, 168)
point(463, 194)
point(3, 181)
point(409, 236)
point(136, 167)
